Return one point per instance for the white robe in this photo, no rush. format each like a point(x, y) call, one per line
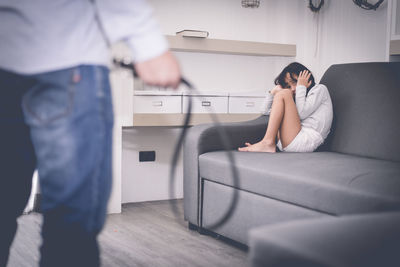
point(315, 112)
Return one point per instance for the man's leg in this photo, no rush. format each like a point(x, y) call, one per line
point(70, 116)
point(17, 159)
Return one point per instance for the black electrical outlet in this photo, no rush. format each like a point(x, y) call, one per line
point(147, 156)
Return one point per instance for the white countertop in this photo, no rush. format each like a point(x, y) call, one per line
point(249, 94)
point(158, 92)
point(204, 93)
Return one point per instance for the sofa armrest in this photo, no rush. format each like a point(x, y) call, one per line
point(205, 138)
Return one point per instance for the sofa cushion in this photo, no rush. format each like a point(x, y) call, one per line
point(365, 99)
point(328, 182)
point(355, 240)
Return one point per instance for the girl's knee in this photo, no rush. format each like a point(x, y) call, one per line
point(284, 93)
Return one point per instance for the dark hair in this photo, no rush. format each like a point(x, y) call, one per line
point(293, 68)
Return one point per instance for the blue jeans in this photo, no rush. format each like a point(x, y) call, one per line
point(61, 122)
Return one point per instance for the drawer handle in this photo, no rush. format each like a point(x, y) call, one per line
point(206, 103)
point(250, 104)
point(157, 104)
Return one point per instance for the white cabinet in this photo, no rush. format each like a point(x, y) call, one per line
point(395, 34)
point(157, 102)
point(207, 103)
point(393, 31)
point(246, 102)
point(167, 102)
point(168, 108)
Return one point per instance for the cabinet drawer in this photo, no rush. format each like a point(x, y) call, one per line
point(206, 104)
point(245, 104)
point(157, 104)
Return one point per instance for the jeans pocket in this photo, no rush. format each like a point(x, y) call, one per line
point(50, 100)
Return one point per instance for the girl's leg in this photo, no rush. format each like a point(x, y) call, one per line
point(283, 118)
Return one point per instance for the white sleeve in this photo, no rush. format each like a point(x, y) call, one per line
point(132, 21)
point(267, 103)
point(307, 105)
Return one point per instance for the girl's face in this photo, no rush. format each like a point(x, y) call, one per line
point(291, 83)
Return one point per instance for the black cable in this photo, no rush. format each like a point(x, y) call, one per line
point(314, 8)
point(126, 65)
point(366, 5)
point(225, 143)
point(227, 147)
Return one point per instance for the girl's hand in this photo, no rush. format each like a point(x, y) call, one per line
point(276, 89)
point(304, 78)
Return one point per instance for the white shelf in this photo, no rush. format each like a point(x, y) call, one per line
point(218, 46)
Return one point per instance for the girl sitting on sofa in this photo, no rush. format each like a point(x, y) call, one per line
point(301, 114)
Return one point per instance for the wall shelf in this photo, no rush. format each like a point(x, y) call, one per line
point(231, 47)
point(177, 119)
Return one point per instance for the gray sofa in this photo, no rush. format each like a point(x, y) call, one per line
point(367, 240)
point(356, 171)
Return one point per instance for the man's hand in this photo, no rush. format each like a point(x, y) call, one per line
point(160, 71)
point(304, 78)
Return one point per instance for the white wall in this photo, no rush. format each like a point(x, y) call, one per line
point(347, 33)
point(226, 19)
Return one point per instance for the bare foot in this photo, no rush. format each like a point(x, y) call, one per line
point(262, 146)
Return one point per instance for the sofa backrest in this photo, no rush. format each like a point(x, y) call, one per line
point(366, 105)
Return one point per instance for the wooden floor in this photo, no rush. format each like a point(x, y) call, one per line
point(144, 234)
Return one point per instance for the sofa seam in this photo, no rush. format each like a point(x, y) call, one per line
point(269, 197)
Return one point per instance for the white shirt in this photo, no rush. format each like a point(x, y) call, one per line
point(315, 110)
point(45, 35)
